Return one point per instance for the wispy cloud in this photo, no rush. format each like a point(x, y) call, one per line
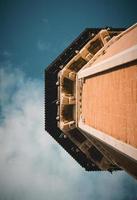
point(42, 46)
point(6, 54)
point(45, 20)
point(32, 165)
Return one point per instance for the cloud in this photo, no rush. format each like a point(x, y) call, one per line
point(45, 20)
point(6, 54)
point(42, 46)
point(32, 165)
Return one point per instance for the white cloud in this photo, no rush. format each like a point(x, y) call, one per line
point(32, 165)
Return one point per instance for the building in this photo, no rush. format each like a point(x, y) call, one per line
point(91, 99)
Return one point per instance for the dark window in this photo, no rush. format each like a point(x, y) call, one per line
point(68, 86)
point(67, 112)
point(95, 47)
point(77, 65)
point(95, 154)
point(77, 135)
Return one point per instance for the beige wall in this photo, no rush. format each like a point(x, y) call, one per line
point(109, 103)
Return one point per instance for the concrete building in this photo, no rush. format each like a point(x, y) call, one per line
point(91, 99)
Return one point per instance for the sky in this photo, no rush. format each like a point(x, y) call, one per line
point(32, 165)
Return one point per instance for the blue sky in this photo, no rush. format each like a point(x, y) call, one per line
point(32, 165)
point(34, 32)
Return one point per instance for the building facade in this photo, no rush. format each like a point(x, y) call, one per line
point(91, 91)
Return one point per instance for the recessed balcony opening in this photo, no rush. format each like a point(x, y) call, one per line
point(67, 113)
point(78, 64)
point(95, 154)
point(77, 135)
point(68, 86)
point(95, 46)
